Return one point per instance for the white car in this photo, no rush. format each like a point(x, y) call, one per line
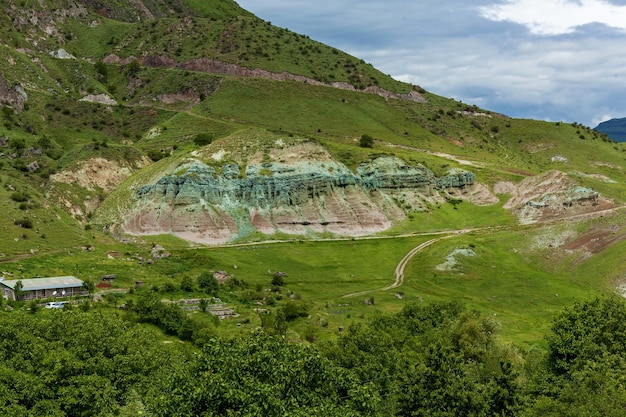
point(56, 304)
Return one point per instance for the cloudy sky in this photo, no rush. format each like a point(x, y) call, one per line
point(542, 59)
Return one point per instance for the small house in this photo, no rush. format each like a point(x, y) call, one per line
point(38, 288)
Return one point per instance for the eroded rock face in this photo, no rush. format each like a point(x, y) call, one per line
point(219, 67)
point(549, 196)
point(13, 96)
point(201, 204)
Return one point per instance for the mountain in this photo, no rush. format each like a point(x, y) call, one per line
point(122, 115)
point(218, 181)
point(185, 124)
point(614, 129)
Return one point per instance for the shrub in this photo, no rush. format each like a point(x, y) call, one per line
point(207, 282)
point(19, 197)
point(366, 141)
point(102, 70)
point(202, 139)
point(168, 287)
point(186, 284)
point(278, 280)
point(17, 144)
point(156, 154)
point(295, 309)
point(26, 223)
point(134, 67)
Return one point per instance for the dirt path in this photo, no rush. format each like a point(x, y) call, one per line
point(399, 272)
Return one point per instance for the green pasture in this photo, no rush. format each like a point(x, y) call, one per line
point(453, 215)
point(508, 278)
point(305, 109)
point(521, 284)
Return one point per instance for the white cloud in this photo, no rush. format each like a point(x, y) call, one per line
point(557, 17)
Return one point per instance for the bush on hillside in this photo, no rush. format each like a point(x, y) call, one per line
point(366, 141)
point(26, 223)
point(202, 139)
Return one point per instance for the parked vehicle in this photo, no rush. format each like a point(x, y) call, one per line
point(56, 304)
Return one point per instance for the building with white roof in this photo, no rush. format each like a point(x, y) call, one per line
point(37, 288)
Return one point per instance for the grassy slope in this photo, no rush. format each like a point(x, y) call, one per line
point(520, 289)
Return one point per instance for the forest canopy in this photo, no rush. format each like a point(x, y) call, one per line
point(437, 359)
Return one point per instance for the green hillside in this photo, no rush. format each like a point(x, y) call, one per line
point(106, 96)
point(479, 277)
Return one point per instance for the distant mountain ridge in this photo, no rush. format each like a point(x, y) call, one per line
point(614, 128)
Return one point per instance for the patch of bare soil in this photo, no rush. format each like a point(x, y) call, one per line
point(596, 241)
point(478, 194)
point(608, 165)
point(301, 152)
point(451, 157)
point(552, 237)
point(564, 243)
point(97, 173)
point(537, 147)
point(534, 188)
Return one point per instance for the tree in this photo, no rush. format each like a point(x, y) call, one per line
point(260, 375)
point(584, 371)
point(85, 364)
point(88, 286)
point(186, 284)
point(587, 332)
point(366, 141)
point(207, 282)
point(432, 360)
point(19, 291)
point(278, 280)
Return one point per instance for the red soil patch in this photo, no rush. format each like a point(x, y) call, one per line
point(596, 241)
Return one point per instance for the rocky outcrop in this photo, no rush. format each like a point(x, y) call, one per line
point(61, 54)
point(204, 204)
point(551, 195)
point(99, 99)
point(40, 23)
point(97, 177)
point(12, 96)
point(224, 68)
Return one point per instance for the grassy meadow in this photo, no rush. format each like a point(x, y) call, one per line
point(523, 284)
point(50, 228)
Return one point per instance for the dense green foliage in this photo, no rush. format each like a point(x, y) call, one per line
point(428, 360)
point(56, 363)
point(434, 358)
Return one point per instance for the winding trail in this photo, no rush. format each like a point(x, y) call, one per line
point(399, 272)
